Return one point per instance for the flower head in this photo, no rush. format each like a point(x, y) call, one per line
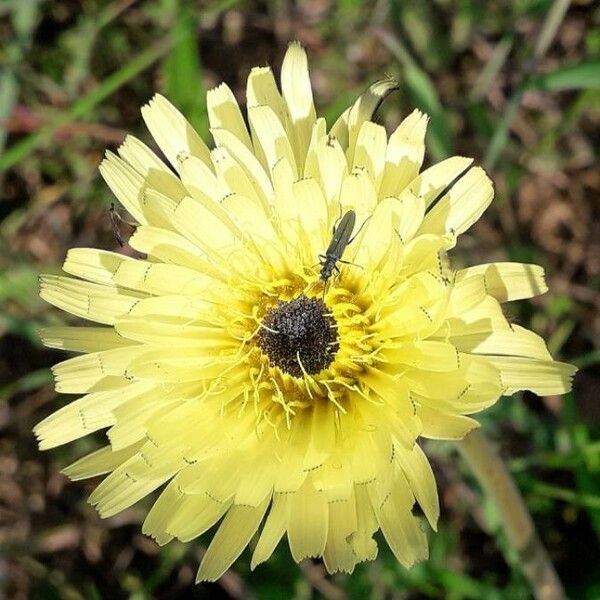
point(240, 373)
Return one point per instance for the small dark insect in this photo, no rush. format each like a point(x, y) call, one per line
point(116, 219)
point(342, 237)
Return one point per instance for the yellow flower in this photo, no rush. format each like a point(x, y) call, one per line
point(230, 373)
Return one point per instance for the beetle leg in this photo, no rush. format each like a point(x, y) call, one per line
point(347, 262)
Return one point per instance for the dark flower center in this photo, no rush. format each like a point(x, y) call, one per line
point(299, 336)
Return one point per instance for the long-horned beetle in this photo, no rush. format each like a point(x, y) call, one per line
point(342, 237)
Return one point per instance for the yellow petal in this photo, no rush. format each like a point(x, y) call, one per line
point(461, 206)
point(272, 531)
point(432, 182)
point(543, 377)
point(119, 490)
point(396, 394)
point(450, 387)
point(370, 151)
point(329, 169)
point(270, 139)
point(99, 462)
point(223, 111)
point(509, 281)
point(322, 436)
point(334, 477)
point(362, 542)
point(338, 555)
point(423, 354)
point(159, 208)
point(481, 338)
point(165, 182)
point(312, 216)
point(424, 253)
point(417, 307)
point(363, 466)
point(248, 161)
point(116, 269)
point(172, 132)
point(377, 237)
point(404, 155)
point(251, 219)
point(259, 477)
point(297, 92)
point(90, 301)
point(81, 373)
point(182, 364)
point(182, 333)
point(286, 212)
point(410, 210)
point(467, 294)
point(76, 419)
point(420, 477)
point(442, 425)
point(194, 515)
point(136, 415)
point(234, 533)
point(171, 248)
point(291, 474)
point(140, 157)
point(158, 516)
point(400, 528)
point(232, 176)
point(261, 90)
point(207, 225)
point(479, 308)
point(357, 193)
point(199, 179)
point(94, 265)
point(180, 307)
point(307, 522)
point(125, 183)
point(318, 133)
point(346, 128)
point(82, 339)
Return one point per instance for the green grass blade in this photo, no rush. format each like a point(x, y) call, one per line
point(584, 75)
point(552, 22)
point(586, 473)
point(426, 98)
point(492, 68)
point(109, 85)
point(24, 19)
point(587, 360)
point(183, 71)
point(424, 94)
point(29, 382)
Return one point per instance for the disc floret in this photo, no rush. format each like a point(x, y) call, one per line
point(300, 337)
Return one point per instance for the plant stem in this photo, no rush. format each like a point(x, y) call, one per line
point(494, 478)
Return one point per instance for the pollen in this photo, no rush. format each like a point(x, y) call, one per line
point(299, 336)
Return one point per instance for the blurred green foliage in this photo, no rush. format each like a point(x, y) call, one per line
point(73, 76)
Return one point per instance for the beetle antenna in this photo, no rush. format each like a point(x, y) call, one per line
point(359, 230)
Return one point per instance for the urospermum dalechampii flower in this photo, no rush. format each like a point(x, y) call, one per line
point(225, 370)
